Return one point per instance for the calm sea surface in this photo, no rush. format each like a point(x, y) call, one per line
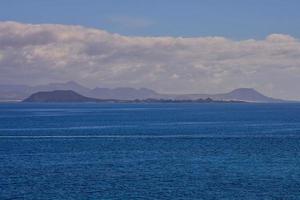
point(150, 151)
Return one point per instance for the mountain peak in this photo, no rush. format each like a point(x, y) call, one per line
point(248, 94)
point(58, 96)
point(17, 92)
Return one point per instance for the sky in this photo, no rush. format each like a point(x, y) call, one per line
point(172, 46)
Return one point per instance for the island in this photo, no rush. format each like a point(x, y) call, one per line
point(64, 96)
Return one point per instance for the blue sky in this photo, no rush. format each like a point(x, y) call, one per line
point(236, 19)
point(257, 46)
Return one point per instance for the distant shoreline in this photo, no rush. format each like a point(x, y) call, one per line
point(135, 102)
point(21, 92)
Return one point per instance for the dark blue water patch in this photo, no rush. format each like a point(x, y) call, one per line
point(149, 151)
point(150, 168)
point(149, 119)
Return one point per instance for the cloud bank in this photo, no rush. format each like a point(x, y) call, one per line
point(35, 54)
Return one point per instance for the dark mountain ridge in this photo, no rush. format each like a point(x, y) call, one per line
point(58, 96)
point(248, 94)
point(69, 96)
point(19, 92)
point(240, 94)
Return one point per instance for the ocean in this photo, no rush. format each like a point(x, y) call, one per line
point(145, 151)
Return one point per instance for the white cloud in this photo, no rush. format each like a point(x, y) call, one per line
point(35, 54)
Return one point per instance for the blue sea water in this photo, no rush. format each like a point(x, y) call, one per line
point(150, 151)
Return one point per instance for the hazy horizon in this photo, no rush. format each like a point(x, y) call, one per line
point(99, 86)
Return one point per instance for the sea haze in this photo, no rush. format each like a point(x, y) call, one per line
point(21, 92)
point(149, 151)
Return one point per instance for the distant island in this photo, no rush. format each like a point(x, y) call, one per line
point(77, 93)
point(64, 96)
point(59, 96)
